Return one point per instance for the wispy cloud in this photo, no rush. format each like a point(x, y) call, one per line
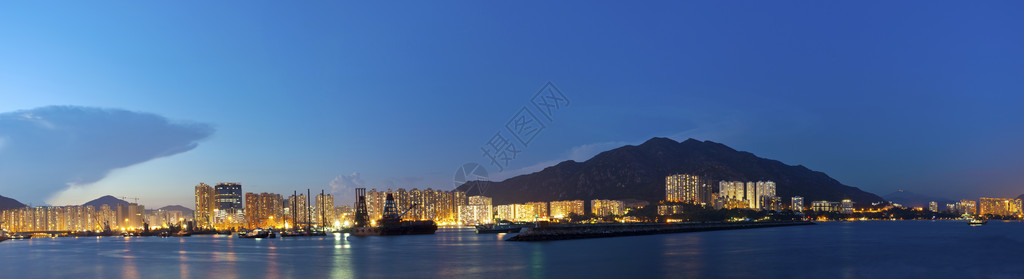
point(46, 150)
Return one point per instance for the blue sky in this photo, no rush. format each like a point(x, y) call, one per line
point(922, 96)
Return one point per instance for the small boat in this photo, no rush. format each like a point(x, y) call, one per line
point(257, 233)
point(977, 222)
point(182, 234)
point(501, 227)
point(21, 236)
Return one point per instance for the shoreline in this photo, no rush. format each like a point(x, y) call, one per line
point(615, 230)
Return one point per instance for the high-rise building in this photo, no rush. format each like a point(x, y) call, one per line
point(687, 188)
point(323, 213)
point(206, 202)
point(562, 209)
point(933, 206)
point(733, 190)
point(506, 212)
point(252, 204)
point(477, 211)
point(538, 209)
point(298, 208)
point(999, 207)
point(764, 194)
point(797, 204)
point(229, 203)
point(967, 207)
point(607, 207)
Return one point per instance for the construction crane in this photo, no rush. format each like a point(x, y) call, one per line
point(127, 198)
point(406, 211)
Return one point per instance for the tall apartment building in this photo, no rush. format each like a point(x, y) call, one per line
point(206, 202)
point(607, 207)
point(562, 209)
point(323, 212)
point(477, 211)
point(797, 204)
point(687, 188)
point(967, 207)
point(999, 207)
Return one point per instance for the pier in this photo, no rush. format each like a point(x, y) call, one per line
point(564, 232)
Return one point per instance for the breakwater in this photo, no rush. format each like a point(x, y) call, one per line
point(563, 232)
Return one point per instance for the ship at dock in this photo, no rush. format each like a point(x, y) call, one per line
point(391, 223)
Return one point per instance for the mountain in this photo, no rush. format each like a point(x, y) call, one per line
point(9, 203)
point(107, 200)
point(1021, 197)
point(909, 199)
point(638, 172)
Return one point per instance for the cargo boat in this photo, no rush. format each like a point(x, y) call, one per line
point(391, 223)
point(399, 228)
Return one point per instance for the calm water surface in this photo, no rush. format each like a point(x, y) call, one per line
point(905, 249)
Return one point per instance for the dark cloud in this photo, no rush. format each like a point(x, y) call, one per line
point(45, 150)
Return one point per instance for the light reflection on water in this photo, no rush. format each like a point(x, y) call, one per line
point(828, 250)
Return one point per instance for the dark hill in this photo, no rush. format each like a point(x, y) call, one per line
point(9, 203)
point(107, 200)
point(638, 172)
point(1021, 197)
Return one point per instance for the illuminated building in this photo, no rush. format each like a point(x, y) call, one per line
point(252, 212)
point(506, 212)
point(477, 211)
point(999, 207)
point(205, 205)
point(229, 203)
point(933, 206)
point(429, 204)
point(951, 207)
point(71, 218)
point(263, 210)
point(797, 203)
point(323, 212)
point(374, 204)
point(825, 206)
point(670, 209)
point(771, 203)
point(847, 206)
point(562, 209)
point(752, 195)
point(298, 210)
point(967, 207)
point(401, 199)
point(607, 207)
point(765, 195)
point(731, 190)
point(687, 188)
point(417, 212)
point(538, 209)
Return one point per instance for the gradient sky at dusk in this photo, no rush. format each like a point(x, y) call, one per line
point(281, 96)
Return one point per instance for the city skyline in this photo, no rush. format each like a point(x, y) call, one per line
point(330, 98)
